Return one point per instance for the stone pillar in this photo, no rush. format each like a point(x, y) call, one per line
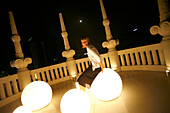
point(20, 63)
point(68, 53)
point(164, 29)
point(164, 10)
point(110, 43)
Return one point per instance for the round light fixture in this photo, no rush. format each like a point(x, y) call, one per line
point(75, 101)
point(22, 109)
point(36, 95)
point(107, 85)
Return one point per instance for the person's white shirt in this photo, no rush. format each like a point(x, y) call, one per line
point(94, 56)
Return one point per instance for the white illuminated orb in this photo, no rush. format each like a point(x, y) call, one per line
point(22, 109)
point(36, 95)
point(75, 101)
point(107, 85)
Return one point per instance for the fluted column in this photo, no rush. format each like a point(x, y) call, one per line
point(68, 53)
point(110, 43)
point(20, 63)
point(164, 29)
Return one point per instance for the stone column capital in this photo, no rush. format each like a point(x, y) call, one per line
point(21, 64)
point(110, 44)
point(163, 29)
point(68, 54)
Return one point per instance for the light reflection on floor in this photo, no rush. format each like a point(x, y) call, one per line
point(143, 92)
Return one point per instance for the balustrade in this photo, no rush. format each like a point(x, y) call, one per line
point(50, 73)
point(140, 58)
point(8, 86)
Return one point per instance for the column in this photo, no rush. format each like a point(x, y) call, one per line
point(68, 53)
point(20, 63)
point(164, 29)
point(110, 43)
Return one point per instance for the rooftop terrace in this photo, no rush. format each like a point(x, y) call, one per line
point(143, 92)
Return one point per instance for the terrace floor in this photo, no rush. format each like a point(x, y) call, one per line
point(143, 92)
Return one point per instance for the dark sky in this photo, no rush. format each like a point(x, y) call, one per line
point(40, 20)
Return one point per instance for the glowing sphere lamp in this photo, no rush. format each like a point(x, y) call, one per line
point(107, 85)
point(22, 109)
point(75, 101)
point(36, 95)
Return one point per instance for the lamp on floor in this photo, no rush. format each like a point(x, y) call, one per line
point(107, 85)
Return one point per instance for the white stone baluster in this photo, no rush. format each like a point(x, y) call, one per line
point(127, 59)
point(137, 58)
point(132, 59)
point(52, 74)
point(148, 56)
point(143, 58)
point(155, 57)
point(161, 56)
point(43, 76)
point(15, 86)
point(48, 76)
point(65, 71)
point(122, 60)
point(2, 93)
point(57, 75)
point(8, 88)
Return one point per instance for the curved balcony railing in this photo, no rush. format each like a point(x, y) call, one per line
point(148, 57)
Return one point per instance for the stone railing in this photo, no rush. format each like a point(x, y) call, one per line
point(148, 57)
point(51, 74)
point(9, 89)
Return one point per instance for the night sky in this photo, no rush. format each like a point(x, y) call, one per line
point(130, 21)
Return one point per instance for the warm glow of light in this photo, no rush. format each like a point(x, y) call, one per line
point(114, 68)
point(73, 76)
point(107, 85)
point(22, 109)
point(75, 101)
point(36, 76)
point(81, 21)
point(167, 71)
point(36, 95)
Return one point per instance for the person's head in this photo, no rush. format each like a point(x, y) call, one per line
point(85, 41)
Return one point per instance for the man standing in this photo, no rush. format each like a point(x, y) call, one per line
point(87, 77)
